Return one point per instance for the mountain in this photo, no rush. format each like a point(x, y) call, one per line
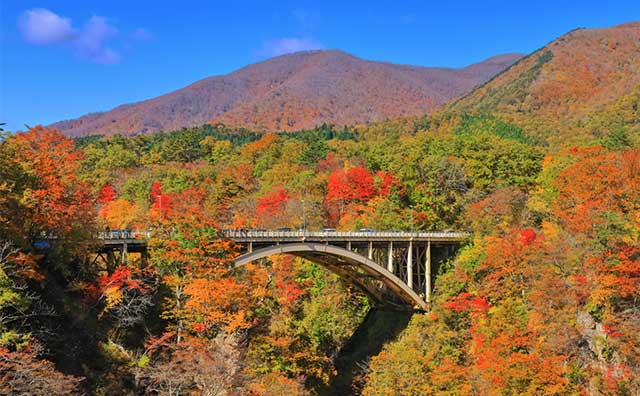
point(586, 83)
point(296, 91)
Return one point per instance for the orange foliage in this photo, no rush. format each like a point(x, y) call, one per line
point(57, 201)
point(600, 181)
point(350, 186)
point(120, 213)
point(288, 289)
point(217, 304)
point(387, 183)
point(467, 302)
point(276, 384)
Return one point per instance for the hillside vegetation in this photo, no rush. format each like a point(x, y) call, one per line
point(581, 86)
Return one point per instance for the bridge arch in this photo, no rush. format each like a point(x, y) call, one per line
point(342, 262)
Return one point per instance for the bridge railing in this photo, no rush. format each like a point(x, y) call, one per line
point(124, 234)
point(240, 234)
point(346, 235)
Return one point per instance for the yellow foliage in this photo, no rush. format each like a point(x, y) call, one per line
point(113, 297)
point(550, 230)
point(120, 213)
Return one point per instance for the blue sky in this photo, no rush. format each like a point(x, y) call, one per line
point(62, 59)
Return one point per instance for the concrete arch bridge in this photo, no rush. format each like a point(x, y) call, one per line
point(392, 267)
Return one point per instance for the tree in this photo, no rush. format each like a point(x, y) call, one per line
point(120, 213)
point(193, 261)
point(125, 294)
point(107, 194)
point(276, 384)
point(498, 213)
point(18, 306)
point(182, 146)
point(161, 201)
point(270, 209)
point(202, 367)
point(216, 304)
point(42, 193)
point(217, 151)
point(347, 186)
point(24, 373)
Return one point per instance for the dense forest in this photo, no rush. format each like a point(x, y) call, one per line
point(543, 299)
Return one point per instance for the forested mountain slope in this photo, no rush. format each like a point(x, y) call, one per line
point(582, 85)
point(295, 91)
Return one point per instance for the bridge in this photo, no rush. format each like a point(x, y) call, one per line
point(114, 246)
point(394, 267)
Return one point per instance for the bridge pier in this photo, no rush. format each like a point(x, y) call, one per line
point(427, 275)
point(123, 254)
point(410, 264)
point(144, 258)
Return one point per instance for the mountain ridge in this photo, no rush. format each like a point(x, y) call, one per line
point(295, 91)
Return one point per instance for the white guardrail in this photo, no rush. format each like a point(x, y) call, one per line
point(124, 234)
point(240, 234)
point(331, 234)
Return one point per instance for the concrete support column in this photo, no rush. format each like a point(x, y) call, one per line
point(390, 258)
point(123, 257)
point(370, 251)
point(427, 274)
point(112, 261)
point(348, 245)
point(250, 247)
point(410, 265)
point(144, 258)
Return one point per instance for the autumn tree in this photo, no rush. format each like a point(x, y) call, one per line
point(25, 373)
point(121, 213)
point(41, 191)
point(355, 185)
point(107, 194)
point(270, 209)
point(196, 366)
point(18, 306)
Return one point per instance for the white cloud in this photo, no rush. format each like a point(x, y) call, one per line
point(40, 26)
point(91, 44)
point(287, 45)
point(141, 34)
point(43, 27)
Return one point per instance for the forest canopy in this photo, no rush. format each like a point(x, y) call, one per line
point(549, 224)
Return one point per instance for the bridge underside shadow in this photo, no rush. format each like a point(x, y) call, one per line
point(376, 281)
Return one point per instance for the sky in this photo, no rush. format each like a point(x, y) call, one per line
point(63, 59)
